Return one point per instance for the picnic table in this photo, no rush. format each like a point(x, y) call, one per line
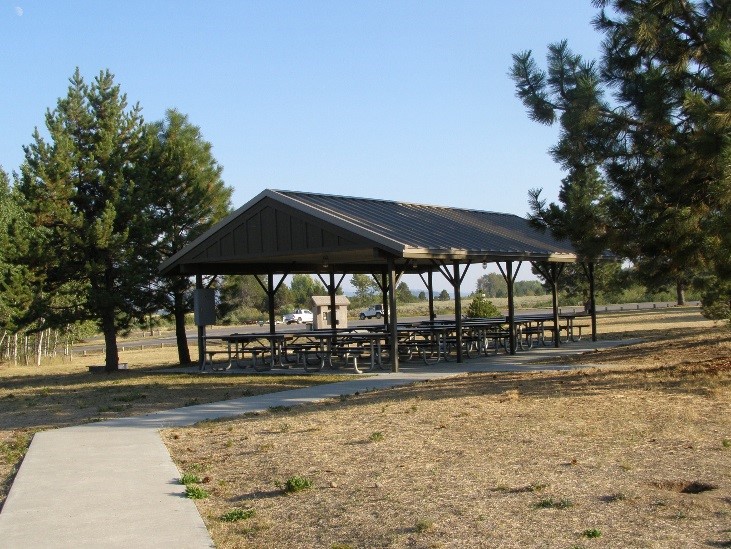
point(431, 341)
point(434, 341)
point(256, 347)
point(572, 327)
point(316, 349)
point(532, 328)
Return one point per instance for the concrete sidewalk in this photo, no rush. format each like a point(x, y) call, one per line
point(113, 484)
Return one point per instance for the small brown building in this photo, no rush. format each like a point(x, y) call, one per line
point(321, 311)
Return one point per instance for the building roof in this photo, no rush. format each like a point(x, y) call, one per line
point(324, 300)
point(298, 232)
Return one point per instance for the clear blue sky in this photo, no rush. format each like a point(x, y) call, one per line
point(399, 100)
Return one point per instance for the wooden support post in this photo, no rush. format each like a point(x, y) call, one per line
point(430, 289)
point(333, 308)
point(511, 305)
point(392, 314)
point(509, 277)
point(201, 330)
point(384, 297)
point(458, 308)
point(270, 300)
point(552, 267)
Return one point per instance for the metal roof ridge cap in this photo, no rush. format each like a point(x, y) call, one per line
point(406, 203)
point(341, 222)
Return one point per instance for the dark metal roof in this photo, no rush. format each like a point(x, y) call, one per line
point(287, 231)
point(437, 228)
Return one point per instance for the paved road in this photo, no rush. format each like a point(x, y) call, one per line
point(167, 339)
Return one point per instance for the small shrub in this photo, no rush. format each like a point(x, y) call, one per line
point(238, 514)
point(482, 308)
point(195, 492)
point(130, 397)
point(726, 443)
point(550, 503)
point(377, 436)
point(14, 449)
point(422, 525)
point(113, 409)
point(276, 409)
point(591, 533)
point(296, 484)
point(189, 478)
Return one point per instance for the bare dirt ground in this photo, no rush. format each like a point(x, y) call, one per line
point(633, 455)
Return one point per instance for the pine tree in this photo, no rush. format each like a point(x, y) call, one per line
point(492, 285)
point(187, 196)
point(404, 294)
point(81, 190)
point(16, 281)
point(241, 298)
point(365, 287)
point(654, 119)
point(303, 287)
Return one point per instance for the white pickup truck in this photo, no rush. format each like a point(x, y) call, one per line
point(298, 316)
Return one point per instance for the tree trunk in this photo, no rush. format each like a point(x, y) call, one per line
point(180, 337)
point(111, 355)
point(54, 346)
point(680, 290)
point(39, 347)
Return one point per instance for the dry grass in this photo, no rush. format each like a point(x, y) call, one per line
point(59, 394)
point(634, 456)
point(506, 460)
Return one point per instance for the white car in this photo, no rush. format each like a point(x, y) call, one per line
point(298, 316)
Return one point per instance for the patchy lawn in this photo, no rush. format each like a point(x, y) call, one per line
point(59, 394)
point(637, 455)
point(633, 455)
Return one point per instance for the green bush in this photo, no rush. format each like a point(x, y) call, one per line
point(482, 308)
point(718, 310)
point(195, 492)
point(423, 525)
point(189, 478)
point(297, 484)
point(244, 315)
point(238, 514)
point(550, 503)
